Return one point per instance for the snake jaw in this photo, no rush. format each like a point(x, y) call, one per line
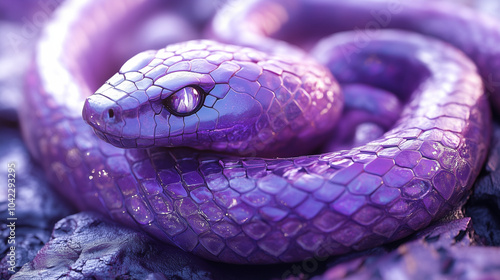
point(204, 94)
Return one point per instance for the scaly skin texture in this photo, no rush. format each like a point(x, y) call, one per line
point(253, 103)
point(261, 210)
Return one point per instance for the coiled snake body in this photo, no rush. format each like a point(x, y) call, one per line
point(201, 94)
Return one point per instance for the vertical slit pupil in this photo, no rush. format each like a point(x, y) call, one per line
point(111, 113)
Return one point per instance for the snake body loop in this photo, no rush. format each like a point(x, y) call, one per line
point(251, 209)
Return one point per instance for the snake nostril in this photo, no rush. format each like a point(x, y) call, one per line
point(111, 113)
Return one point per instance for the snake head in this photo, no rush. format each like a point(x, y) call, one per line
point(207, 95)
point(177, 96)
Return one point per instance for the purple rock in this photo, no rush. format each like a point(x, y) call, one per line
point(484, 204)
point(37, 206)
point(443, 251)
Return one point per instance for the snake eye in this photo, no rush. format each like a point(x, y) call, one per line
point(185, 101)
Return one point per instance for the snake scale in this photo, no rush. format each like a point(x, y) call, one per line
point(269, 99)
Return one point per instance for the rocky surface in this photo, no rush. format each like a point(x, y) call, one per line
point(484, 203)
point(443, 251)
point(84, 246)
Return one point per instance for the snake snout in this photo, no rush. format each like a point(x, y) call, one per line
point(103, 114)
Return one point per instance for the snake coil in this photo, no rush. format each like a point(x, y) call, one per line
point(231, 99)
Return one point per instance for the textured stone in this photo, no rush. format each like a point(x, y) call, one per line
point(442, 251)
point(85, 246)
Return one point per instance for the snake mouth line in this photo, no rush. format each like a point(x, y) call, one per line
point(134, 143)
point(120, 141)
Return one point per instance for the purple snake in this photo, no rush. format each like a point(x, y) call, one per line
point(249, 104)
